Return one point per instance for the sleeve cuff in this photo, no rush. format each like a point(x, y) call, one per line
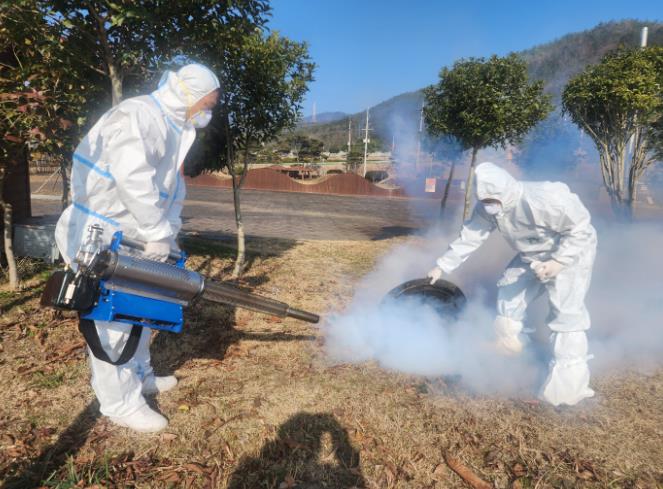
point(162, 230)
point(444, 265)
point(563, 260)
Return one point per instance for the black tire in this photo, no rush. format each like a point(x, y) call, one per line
point(444, 296)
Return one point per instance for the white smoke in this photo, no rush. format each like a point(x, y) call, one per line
point(409, 336)
point(625, 301)
point(626, 298)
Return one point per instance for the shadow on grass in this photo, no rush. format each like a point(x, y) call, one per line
point(54, 456)
point(15, 299)
point(208, 338)
point(388, 232)
point(300, 458)
point(33, 275)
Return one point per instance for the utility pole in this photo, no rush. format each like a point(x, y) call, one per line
point(421, 129)
point(349, 135)
point(366, 141)
point(643, 37)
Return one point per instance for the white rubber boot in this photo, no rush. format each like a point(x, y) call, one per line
point(145, 420)
point(154, 385)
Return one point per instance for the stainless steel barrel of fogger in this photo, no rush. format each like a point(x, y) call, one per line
point(164, 281)
point(146, 277)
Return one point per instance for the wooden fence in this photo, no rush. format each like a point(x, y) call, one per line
point(344, 184)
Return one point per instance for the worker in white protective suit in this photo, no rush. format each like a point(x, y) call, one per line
point(556, 243)
point(126, 176)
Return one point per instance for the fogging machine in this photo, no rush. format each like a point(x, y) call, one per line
point(110, 285)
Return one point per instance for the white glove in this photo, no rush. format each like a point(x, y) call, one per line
point(546, 270)
point(158, 250)
point(435, 274)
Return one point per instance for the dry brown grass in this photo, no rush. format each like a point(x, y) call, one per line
point(258, 405)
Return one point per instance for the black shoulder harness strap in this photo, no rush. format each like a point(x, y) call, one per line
point(89, 331)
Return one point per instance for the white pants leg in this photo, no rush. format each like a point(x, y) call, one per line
point(142, 356)
point(118, 388)
point(517, 288)
point(568, 378)
point(567, 293)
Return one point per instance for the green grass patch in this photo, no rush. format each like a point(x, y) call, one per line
point(6, 296)
point(72, 476)
point(51, 380)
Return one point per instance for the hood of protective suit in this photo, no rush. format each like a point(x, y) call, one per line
point(178, 91)
point(495, 183)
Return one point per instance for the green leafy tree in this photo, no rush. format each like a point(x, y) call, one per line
point(39, 96)
point(311, 149)
point(127, 41)
point(303, 147)
point(264, 82)
point(113, 40)
point(123, 44)
point(616, 101)
point(264, 79)
point(484, 102)
point(354, 158)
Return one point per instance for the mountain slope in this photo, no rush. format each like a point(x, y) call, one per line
point(554, 62)
point(323, 118)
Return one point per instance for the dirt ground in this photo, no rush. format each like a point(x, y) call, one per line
point(259, 406)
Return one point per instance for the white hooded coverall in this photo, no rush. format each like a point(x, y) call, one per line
point(542, 221)
point(126, 175)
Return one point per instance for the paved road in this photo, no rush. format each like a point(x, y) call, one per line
point(288, 215)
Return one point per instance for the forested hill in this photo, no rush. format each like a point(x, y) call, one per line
point(557, 61)
point(554, 62)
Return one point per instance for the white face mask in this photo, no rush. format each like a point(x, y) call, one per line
point(201, 118)
point(494, 208)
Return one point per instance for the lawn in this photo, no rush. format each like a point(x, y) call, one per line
point(259, 405)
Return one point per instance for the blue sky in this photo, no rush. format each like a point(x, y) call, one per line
point(370, 50)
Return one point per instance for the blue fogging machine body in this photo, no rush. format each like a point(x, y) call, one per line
point(110, 284)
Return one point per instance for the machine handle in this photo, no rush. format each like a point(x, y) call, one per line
point(140, 245)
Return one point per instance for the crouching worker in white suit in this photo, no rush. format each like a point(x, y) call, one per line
point(556, 243)
point(126, 176)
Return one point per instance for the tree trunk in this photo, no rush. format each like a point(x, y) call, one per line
point(65, 182)
point(638, 165)
point(8, 244)
point(114, 73)
point(609, 172)
point(116, 83)
point(468, 185)
point(240, 260)
point(611, 158)
point(447, 187)
point(621, 186)
point(632, 193)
